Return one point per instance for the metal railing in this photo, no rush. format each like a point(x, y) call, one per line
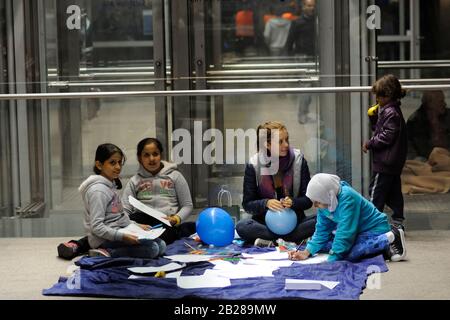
point(212, 92)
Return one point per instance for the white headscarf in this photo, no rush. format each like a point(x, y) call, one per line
point(324, 188)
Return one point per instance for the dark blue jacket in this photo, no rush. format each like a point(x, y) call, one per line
point(389, 143)
point(254, 204)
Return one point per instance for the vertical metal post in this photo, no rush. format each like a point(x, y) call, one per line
point(44, 105)
point(159, 63)
point(70, 110)
point(181, 73)
point(201, 105)
point(356, 107)
point(414, 23)
point(327, 104)
point(18, 115)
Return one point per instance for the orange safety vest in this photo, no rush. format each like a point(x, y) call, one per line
point(244, 24)
point(289, 16)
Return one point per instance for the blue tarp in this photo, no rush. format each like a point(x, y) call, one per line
point(106, 277)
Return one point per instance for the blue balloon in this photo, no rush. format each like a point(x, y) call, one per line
point(215, 226)
point(281, 222)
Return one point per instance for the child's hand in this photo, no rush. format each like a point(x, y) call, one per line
point(298, 255)
point(286, 202)
point(274, 205)
point(145, 227)
point(129, 238)
point(174, 220)
point(365, 147)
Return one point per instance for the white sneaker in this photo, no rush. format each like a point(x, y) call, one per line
point(263, 243)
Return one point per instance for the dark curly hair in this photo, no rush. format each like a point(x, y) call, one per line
point(388, 86)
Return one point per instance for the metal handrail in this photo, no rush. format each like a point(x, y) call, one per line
point(257, 68)
point(70, 84)
point(215, 92)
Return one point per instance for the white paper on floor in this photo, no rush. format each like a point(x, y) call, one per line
point(167, 267)
point(272, 255)
point(241, 273)
point(319, 258)
point(329, 284)
point(273, 263)
point(203, 281)
point(189, 257)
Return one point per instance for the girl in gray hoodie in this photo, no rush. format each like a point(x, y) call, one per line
point(104, 214)
point(161, 186)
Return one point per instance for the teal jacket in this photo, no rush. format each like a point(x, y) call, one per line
point(353, 215)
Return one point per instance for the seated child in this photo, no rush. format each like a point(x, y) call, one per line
point(360, 229)
point(104, 215)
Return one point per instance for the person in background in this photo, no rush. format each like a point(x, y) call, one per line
point(429, 126)
point(275, 34)
point(301, 39)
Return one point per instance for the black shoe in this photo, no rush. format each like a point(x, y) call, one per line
point(398, 247)
point(398, 225)
point(68, 250)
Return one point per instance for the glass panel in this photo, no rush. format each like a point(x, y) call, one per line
point(123, 122)
point(262, 43)
point(244, 114)
point(109, 49)
point(427, 170)
point(5, 153)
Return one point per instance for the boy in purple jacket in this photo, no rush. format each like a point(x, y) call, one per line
point(389, 147)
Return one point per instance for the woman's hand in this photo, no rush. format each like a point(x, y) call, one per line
point(298, 255)
point(274, 205)
point(129, 238)
point(286, 202)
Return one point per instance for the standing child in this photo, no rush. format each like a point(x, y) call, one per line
point(104, 214)
point(389, 147)
point(360, 229)
point(161, 186)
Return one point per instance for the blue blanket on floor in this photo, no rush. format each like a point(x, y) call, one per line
point(106, 277)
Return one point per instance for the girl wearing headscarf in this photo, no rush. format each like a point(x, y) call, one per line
point(359, 228)
point(275, 178)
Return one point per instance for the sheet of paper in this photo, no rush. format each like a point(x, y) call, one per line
point(189, 257)
point(150, 211)
point(319, 258)
point(173, 275)
point(167, 267)
point(241, 273)
point(203, 281)
point(270, 263)
point(272, 255)
point(141, 233)
point(329, 284)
